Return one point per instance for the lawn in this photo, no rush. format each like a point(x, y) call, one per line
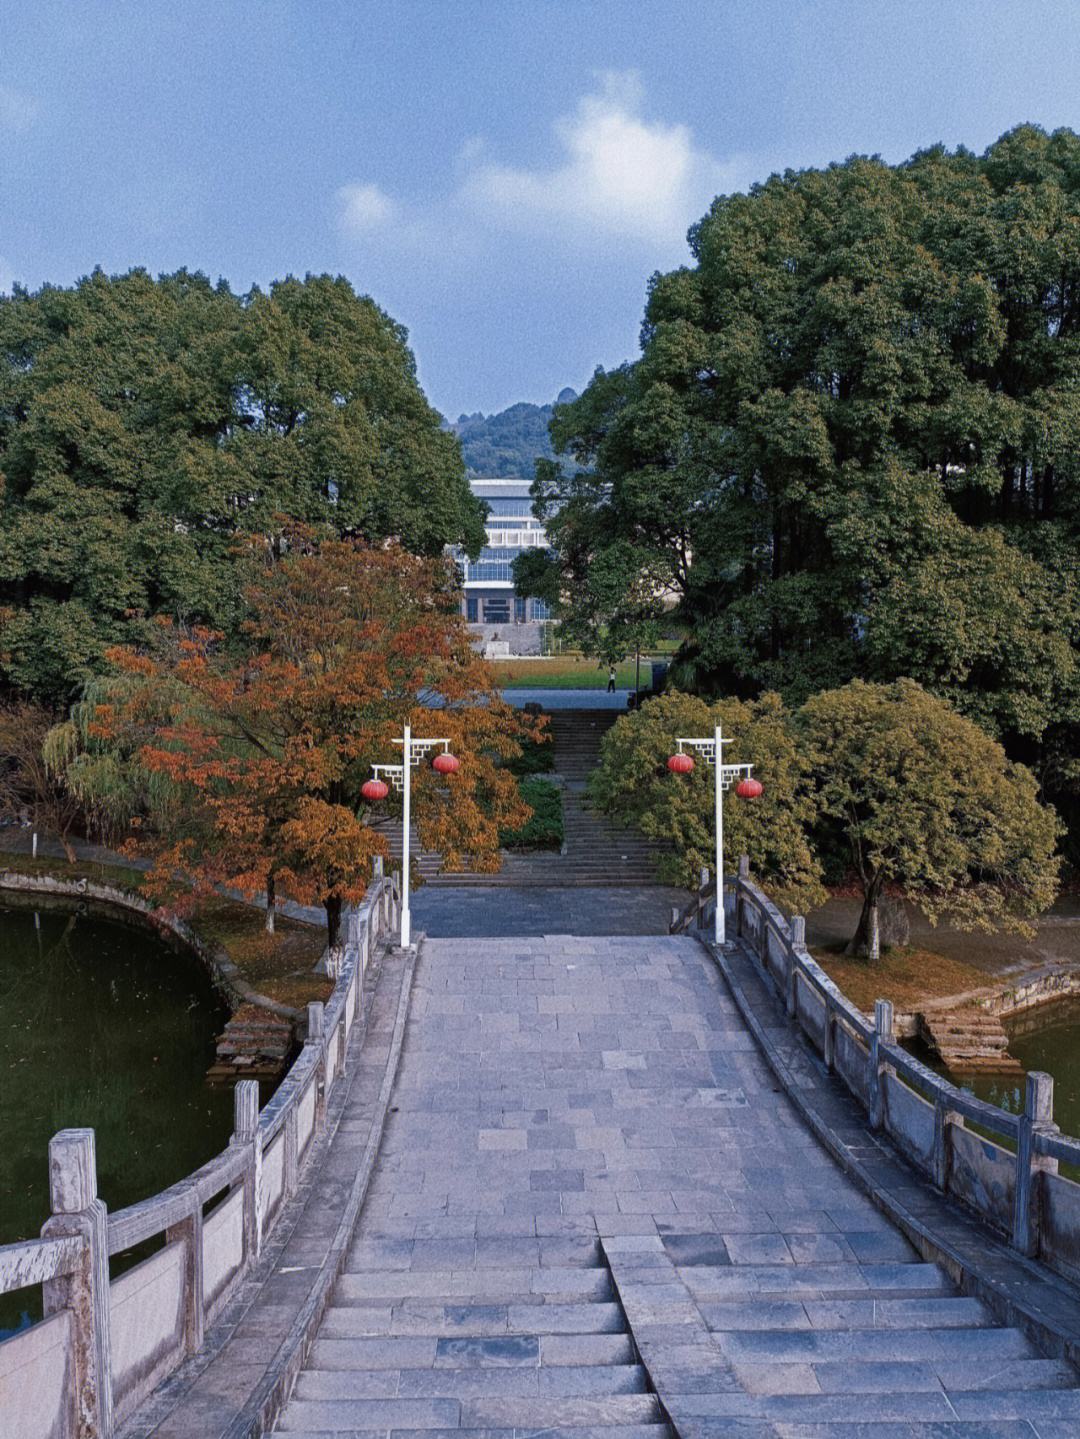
point(908, 977)
point(567, 673)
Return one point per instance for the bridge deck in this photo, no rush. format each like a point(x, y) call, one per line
point(583, 1139)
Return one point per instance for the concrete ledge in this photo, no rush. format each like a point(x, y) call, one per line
point(1018, 1292)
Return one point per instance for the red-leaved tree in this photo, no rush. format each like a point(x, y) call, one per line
point(265, 749)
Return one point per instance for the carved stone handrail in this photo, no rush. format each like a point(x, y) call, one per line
point(1017, 1190)
point(105, 1343)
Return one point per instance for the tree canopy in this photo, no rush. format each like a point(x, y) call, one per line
point(851, 445)
point(925, 799)
point(144, 423)
point(264, 754)
point(633, 784)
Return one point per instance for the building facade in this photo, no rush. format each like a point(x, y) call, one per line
point(489, 601)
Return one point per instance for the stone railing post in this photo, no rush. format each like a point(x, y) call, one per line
point(702, 902)
point(246, 1136)
point(78, 1212)
point(315, 1019)
point(1038, 1115)
point(883, 1032)
point(797, 942)
point(944, 1119)
point(743, 874)
point(190, 1232)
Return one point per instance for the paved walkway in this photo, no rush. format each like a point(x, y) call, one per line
point(584, 1137)
point(531, 910)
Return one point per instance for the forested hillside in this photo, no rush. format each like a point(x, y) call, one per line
point(507, 445)
point(145, 423)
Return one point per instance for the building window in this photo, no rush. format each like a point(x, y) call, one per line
point(472, 610)
point(496, 610)
point(519, 611)
point(538, 610)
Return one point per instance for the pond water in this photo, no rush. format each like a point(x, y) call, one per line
point(105, 1025)
point(1047, 1038)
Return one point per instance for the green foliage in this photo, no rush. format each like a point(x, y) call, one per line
point(544, 830)
point(145, 423)
point(927, 800)
point(851, 446)
point(633, 783)
point(535, 758)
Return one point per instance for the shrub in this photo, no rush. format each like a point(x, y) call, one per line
point(545, 829)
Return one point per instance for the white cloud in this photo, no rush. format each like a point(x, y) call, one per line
point(17, 112)
point(363, 208)
point(622, 174)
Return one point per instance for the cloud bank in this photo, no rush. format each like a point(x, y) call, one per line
point(618, 176)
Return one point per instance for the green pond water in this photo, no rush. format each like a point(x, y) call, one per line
point(108, 1026)
point(1046, 1038)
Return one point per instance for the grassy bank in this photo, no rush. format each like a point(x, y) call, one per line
point(563, 673)
point(909, 977)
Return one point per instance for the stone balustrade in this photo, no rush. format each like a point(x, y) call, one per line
point(1014, 1186)
point(105, 1342)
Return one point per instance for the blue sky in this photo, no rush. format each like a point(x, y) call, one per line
point(501, 176)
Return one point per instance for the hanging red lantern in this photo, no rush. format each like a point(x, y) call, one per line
point(445, 763)
point(374, 790)
point(680, 764)
point(748, 788)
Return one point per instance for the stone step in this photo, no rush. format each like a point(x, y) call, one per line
point(492, 1351)
point(504, 1252)
point(818, 1281)
point(439, 1382)
point(417, 1317)
point(808, 1346)
point(654, 1430)
point(516, 1285)
point(379, 1415)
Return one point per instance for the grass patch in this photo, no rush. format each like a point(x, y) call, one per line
point(908, 977)
point(278, 965)
point(545, 829)
point(566, 673)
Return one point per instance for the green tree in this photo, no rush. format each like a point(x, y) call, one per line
point(145, 423)
point(928, 801)
point(851, 444)
point(632, 783)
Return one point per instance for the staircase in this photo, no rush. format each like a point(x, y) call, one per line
point(500, 1336)
point(596, 853)
point(968, 1040)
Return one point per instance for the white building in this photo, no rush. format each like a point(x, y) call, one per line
point(490, 602)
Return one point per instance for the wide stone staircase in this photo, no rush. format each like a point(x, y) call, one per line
point(504, 1336)
point(596, 853)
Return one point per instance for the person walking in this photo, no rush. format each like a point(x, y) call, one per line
point(611, 680)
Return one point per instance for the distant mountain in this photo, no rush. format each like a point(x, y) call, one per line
point(507, 445)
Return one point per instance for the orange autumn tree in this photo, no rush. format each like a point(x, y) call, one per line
point(266, 748)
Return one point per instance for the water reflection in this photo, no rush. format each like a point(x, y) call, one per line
point(107, 1026)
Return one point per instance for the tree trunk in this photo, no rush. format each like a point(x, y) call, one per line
point(333, 920)
point(866, 941)
point(66, 844)
point(270, 902)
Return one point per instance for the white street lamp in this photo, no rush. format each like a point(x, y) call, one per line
point(712, 752)
point(400, 776)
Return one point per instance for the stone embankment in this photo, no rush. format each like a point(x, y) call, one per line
point(967, 1040)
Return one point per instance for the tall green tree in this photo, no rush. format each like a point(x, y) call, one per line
point(851, 445)
point(145, 423)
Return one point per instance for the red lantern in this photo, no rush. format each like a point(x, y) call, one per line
point(445, 763)
point(374, 790)
point(748, 788)
point(680, 764)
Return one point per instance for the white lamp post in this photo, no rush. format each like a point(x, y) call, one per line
point(400, 776)
point(712, 752)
